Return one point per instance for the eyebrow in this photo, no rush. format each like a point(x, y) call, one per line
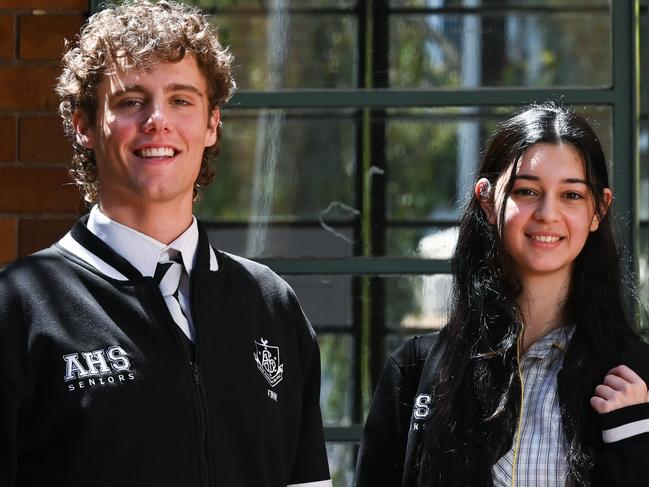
point(529, 177)
point(167, 89)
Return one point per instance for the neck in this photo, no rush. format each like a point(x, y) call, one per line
point(163, 222)
point(541, 304)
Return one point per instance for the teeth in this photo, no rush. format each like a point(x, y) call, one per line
point(156, 152)
point(545, 238)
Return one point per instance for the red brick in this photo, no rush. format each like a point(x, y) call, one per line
point(37, 190)
point(42, 140)
point(47, 4)
point(7, 139)
point(8, 228)
point(6, 37)
point(35, 235)
point(42, 36)
point(28, 87)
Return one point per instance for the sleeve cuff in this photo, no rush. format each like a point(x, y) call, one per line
point(624, 423)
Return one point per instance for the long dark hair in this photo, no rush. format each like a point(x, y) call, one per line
point(477, 392)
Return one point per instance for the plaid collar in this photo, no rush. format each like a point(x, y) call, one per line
point(551, 345)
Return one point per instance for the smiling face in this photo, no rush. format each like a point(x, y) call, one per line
point(549, 213)
point(150, 131)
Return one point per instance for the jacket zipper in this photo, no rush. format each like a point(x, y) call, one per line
point(207, 448)
point(517, 443)
point(193, 370)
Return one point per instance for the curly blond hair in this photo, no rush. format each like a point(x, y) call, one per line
point(137, 35)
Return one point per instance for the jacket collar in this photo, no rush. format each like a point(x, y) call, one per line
point(142, 251)
point(205, 258)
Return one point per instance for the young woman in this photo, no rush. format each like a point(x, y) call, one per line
point(539, 377)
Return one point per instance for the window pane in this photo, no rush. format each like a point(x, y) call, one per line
point(263, 240)
point(432, 155)
point(316, 293)
point(419, 302)
point(500, 49)
point(644, 170)
point(225, 5)
point(425, 242)
point(497, 3)
point(644, 62)
point(283, 164)
point(342, 462)
point(643, 256)
point(643, 263)
point(336, 388)
point(283, 50)
point(425, 149)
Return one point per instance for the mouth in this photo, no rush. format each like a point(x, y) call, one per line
point(156, 152)
point(545, 238)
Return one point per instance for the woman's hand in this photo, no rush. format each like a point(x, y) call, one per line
point(622, 387)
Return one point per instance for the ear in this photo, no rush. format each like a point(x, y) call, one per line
point(212, 127)
point(606, 203)
point(84, 131)
point(484, 194)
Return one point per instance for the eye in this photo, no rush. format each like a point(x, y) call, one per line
point(573, 195)
point(524, 192)
point(182, 102)
point(131, 103)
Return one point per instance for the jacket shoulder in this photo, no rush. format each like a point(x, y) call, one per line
point(27, 268)
point(636, 356)
point(251, 278)
point(415, 350)
point(248, 270)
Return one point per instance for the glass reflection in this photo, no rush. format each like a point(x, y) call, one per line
point(417, 302)
point(342, 462)
point(271, 4)
point(497, 3)
point(283, 165)
point(280, 50)
point(336, 385)
point(500, 49)
point(318, 292)
point(258, 240)
point(430, 242)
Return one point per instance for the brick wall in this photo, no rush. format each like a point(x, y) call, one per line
point(37, 202)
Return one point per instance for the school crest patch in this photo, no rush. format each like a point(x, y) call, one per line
point(268, 362)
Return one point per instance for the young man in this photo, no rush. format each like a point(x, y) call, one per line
point(131, 352)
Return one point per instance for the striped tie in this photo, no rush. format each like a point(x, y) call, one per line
point(167, 277)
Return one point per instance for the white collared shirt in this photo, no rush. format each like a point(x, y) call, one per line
point(142, 252)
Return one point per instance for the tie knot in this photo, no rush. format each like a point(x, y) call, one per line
point(167, 275)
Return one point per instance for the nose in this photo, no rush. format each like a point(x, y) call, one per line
point(155, 120)
point(547, 209)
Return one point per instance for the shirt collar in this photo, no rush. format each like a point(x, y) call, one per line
point(551, 344)
point(142, 251)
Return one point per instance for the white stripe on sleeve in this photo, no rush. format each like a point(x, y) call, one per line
point(625, 431)
point(319, 483)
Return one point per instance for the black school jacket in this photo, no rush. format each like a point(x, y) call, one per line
point(98, 387)
point(388, 456)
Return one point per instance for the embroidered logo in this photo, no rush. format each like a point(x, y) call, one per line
point(268, 363)
point(421, 409)
point(97, 368)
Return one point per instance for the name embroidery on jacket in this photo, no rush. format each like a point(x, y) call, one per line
point(268, 363)
point(97, 368)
